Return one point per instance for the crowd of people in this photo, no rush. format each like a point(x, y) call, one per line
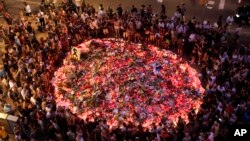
point(29, 64)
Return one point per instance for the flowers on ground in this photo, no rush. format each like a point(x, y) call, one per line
point(125, 82)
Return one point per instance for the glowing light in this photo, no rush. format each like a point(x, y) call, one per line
point(121, 81)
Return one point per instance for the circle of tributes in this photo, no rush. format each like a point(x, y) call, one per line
point(124, 82)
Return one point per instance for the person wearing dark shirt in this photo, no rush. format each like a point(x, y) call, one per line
point(119, 10)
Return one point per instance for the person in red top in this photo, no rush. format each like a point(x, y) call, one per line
point(40, 117)
point(229, 109)
point(1, 7)
point(7, 17)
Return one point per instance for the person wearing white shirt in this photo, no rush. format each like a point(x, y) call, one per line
point(17, 41)
point(177, 15)
point(24, 93)
point(48, 115)
point(158, 135)
point(7, 108)
point(79, 138)
point(101, 13)
point(161, 24)
point(41, 18)
point(18, 137)
point(211, 136)
point(33, 100)
point(221, 88)
point(230, 20)
point(223, 57)
point(27, 9)
point(78, 5)
point(12, 84)
point(207, 25)
point(84, 16)
point(54, 2)
point(138, 24)
point(192, 37)
point(170, 25)
point(181, 29)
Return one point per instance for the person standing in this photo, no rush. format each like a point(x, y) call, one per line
point(183, 11)
point(119, 10)
point(117, 27)
point(27, 9)
point(219, 22)
point(2, 6)
point(163, 10)
point(7, 17)
point(78, 6)
point(54, 3)
point(238, 32)
point(41, 18)
point(230, 20)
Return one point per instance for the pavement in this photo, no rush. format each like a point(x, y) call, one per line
point(212, 10)
point(194, 8)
